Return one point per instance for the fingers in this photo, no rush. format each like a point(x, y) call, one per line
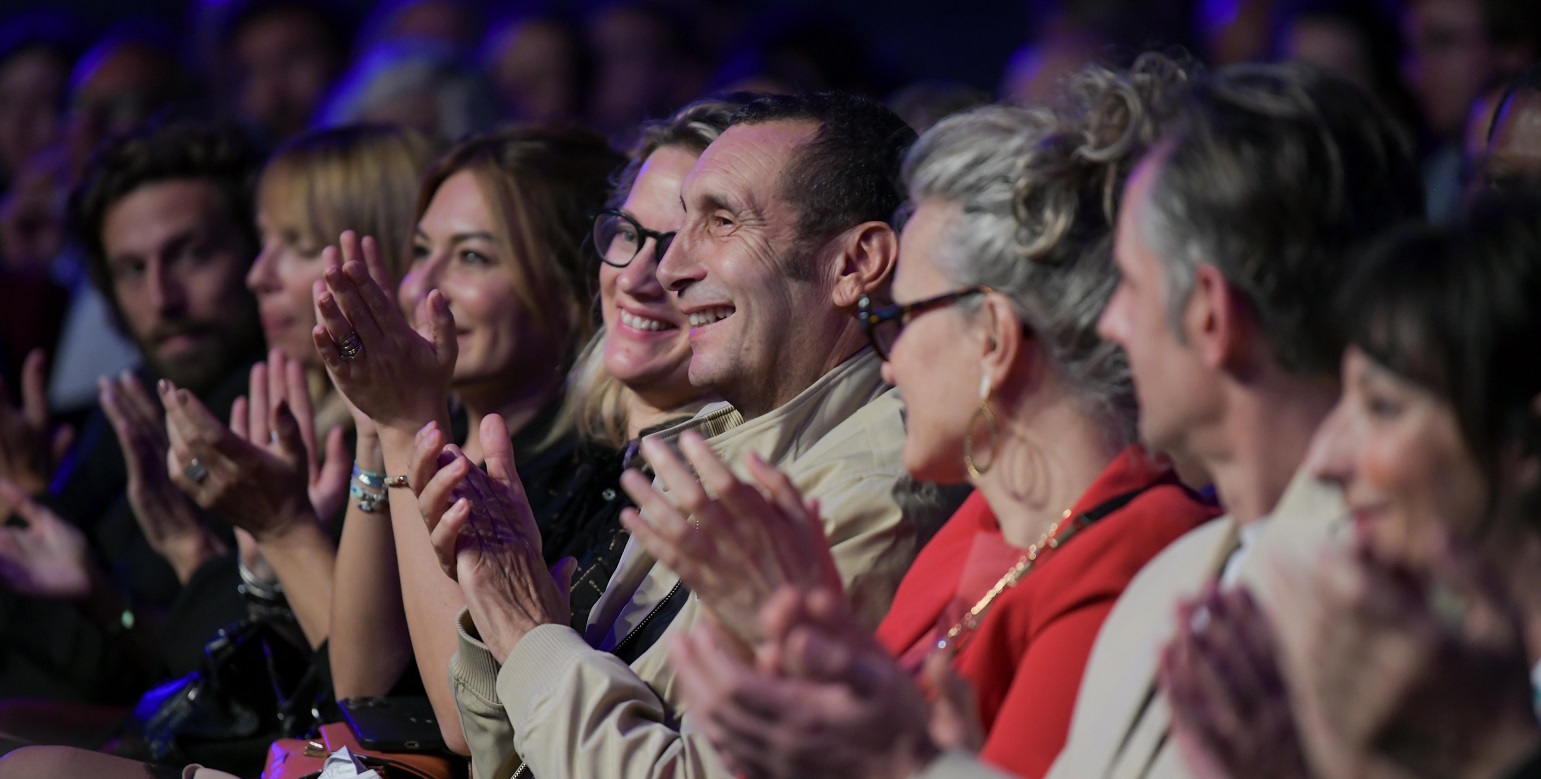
point(686, 490)
point(665, 532)
point(435, 314)
point(376, 266)
point(498, 447)
point(366, 271)
point(423, 462)
point(139, 438)
point(240, 425)
point(349, 285)
point(297, 392)
point(259, 417)
point(333, 325)
point(34, 390)
point(444, 536)
point(440, 490)
point(290, 439)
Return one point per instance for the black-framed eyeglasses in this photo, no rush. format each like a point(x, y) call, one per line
point(618, 238)
point(884, 323)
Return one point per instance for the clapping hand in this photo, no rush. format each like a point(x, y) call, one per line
point(28, 453)
point(166, 516)
point(396, 375)
point(41, 555)
point(263, 472)
point(822, 698)
point(485, 536)
point(734, 544)
point(1231, 711)
point(1406, 672)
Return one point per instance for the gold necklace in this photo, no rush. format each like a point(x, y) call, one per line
point(952, 643)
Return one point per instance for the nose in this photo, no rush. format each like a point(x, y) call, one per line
point(1110, 323)
point(1331, 455)
point(423, 277)
point(678, 268)
point(168, 295)
point(639, 278)
point(260, 278)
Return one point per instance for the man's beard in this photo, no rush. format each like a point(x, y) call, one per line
point(222, 346)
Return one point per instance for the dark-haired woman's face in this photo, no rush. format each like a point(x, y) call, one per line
point(1397, 451)
point(456, 252)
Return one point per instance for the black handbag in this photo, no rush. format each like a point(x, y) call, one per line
point(257, 684)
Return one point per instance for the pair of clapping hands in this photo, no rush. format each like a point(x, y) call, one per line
point(733, 543)
point(1362, 667)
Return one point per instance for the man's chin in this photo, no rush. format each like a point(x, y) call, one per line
point(196, 369)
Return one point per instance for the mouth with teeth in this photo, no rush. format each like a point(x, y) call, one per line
point(638, 322)
point(708, 316)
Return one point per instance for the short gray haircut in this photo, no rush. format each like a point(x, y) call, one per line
point(1037, 191)
point(1279, 175)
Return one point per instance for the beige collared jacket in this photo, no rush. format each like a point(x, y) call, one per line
point(568, 709)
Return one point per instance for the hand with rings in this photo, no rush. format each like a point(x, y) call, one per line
point(264, 472)
point(168, 518)
point(396, 375)
point(734, 544)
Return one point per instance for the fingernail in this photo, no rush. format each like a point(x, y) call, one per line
point(182, 397)
point(163, 386)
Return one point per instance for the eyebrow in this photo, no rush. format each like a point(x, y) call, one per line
point(458, 238)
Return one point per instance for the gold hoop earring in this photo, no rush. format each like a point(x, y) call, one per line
point(974, 469)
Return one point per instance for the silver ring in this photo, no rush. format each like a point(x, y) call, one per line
point(350, 346)
point(194, 471)
point(272, 436)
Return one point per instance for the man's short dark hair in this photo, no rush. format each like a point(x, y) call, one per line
point(848, 173)
point(325, 14)
point(218, 153)
point(1278, 175)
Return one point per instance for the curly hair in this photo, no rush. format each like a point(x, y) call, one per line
point(1037, 192)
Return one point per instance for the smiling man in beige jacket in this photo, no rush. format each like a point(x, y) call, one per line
point(787, 227)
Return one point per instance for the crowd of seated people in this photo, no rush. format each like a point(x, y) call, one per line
point(640, 404)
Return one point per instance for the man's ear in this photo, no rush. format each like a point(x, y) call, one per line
point(865, 262)
point(1219, 321)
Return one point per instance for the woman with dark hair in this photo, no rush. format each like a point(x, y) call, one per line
point(1436, 444)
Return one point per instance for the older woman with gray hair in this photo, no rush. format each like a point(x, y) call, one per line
point(1004, 268)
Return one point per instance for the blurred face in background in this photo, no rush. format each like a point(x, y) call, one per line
point(32, 84)
point(533, 65)
point(282, 276)
point(1514, 156)
point(283, 62)
point(1396, 450)
point(115, 88)
point(1449, 59)
point(647, 342)
point(456, 250)
point(176, 257)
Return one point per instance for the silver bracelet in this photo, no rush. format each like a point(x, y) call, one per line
point(257, 588)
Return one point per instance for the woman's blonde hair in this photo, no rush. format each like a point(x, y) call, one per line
point(597, 401)
point(360, 177)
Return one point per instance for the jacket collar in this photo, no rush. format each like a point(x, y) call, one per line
point(789, 431)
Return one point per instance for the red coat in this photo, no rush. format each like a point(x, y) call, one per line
point(1027, 655)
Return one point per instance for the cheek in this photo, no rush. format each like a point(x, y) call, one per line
point(608, 278)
